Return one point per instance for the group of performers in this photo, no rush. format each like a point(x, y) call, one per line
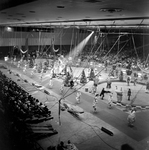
point(69, 81)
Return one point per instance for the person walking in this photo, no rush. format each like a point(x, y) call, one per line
point(102, 93)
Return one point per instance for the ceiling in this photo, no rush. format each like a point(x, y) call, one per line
point(78, 13)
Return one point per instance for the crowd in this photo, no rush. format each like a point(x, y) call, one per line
point(63, 146)
point(20, 108)
point(123, 58)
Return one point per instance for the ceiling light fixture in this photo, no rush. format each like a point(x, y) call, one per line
point(111, 10)
point(93, 1)
point(3, 12)
point(31, 11)
point(61, 6)
point(8, 29)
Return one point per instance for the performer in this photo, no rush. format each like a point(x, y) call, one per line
point(19, 63)
point(103, 91)
point(25, 67)
point(88, 72)
point(95, 102)
point(34, 69)
point(106, 65)
point(135, 81)
point(78, 97)
point(129, 94)
point(116, 73)
point(110, 100)
point(71, 83)
point(96, 81)
point(128, 80)
point(108, 83)
point(131, 118)
point(93, 89)
point(96, 98)
point(129, 72)
point(14, 60)
point(41, 73)
point(119, 94)
point(62, 89)
point(50, 83)
point(135, 78)
point(147, 86)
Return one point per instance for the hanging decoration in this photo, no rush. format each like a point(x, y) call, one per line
point(95, 39)
point(23, 52)
point(55, 50)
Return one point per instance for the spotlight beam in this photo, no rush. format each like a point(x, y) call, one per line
point(78, 49)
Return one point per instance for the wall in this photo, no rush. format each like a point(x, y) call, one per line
point(65, 39)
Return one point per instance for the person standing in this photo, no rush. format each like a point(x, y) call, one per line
point(62, 89)
point(25, 67)
point(128, 80)
point(135, 78)
point(135, 81)
point(131, 118)
point(71, 83)
point(108, 83)
point(95, 101)
point(96, 81)
point(50, 83)
point(119, 94)
point(78, 97)
point(129, 94)
point(110, 100)
point(147, 86)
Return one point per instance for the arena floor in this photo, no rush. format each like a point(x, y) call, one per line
point(84, 132)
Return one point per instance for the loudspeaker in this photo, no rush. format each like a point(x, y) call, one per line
point(107, 131)
point(46, 92)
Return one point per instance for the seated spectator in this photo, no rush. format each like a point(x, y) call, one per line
point(71, 146)
point(61, 146)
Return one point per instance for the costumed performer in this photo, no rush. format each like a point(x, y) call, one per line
point(131, 118)
point(78, 97)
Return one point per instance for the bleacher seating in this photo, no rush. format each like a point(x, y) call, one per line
point(24, 111)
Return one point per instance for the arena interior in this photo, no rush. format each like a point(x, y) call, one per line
point(74, 75)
